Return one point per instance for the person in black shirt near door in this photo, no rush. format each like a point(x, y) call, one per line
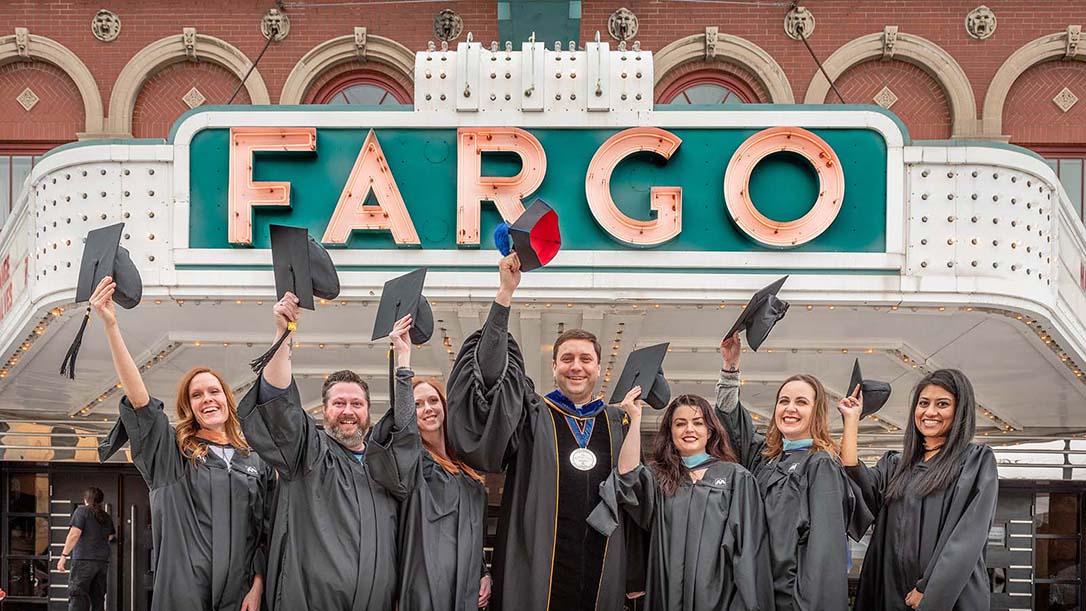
point(88, 546)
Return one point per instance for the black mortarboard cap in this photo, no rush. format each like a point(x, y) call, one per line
point(762, 312)
point(534, 236)
point(645, 368)
point(875, 393)
point(303, 267)
point(400, 297)
point(103, 256)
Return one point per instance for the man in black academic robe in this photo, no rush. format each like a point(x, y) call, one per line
point(333, 545)
point(546, 556)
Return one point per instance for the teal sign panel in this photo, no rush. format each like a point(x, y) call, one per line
point(423, 161)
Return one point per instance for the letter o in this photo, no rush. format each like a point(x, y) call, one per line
point(831, 187)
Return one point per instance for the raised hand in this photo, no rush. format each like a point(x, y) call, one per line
point(730, 349)
point(852, 406)
point(632, 404)
point(509, 270)
point(401, 341)
point(101, 301)
point(286, 311)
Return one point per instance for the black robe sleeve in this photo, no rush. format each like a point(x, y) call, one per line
point(956, 556)
point(487, 417)
point(746, 545)
point(746, 441)
point(153, 442)
point(830, 506)
point(281, 432)
point(869, 484)
point(394, 450)
point(266, 518)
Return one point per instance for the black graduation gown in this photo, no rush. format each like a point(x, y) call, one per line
point(442, 514)
point(935, 544)
point(333, 545)
point(210, 521)
point(546, 555)
point(708, 546)
point(810, 508)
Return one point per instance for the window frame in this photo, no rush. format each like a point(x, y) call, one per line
point(1060, 152)
point(346, 80)
point(729, 81)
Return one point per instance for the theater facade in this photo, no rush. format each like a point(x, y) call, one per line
point(908, 253)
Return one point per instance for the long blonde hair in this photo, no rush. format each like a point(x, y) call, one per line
point(820, 425)
point(187, 426)
point(450, 463)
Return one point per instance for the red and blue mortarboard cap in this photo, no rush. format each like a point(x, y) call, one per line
point(762, 312)
point(534, 236)
point(103, 256)
point(303, 267)
point(645, 368)
point(875, 393)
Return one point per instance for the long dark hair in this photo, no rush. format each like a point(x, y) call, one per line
point(665, 461)
point(93, 497)
point(946, 465)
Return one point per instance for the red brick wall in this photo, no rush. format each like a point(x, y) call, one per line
point(410, 23)
point(160, 102)
point(839, 21)
point(922, 103)
point(1030, 115)
point(57, 116)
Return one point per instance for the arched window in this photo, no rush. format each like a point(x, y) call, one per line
point(367, 88)
point(708, 87)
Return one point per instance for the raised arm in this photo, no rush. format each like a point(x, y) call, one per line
point(101, 302)
point(394, 451)
point(868, 483)
point(629, 456)
point(745, 439)
point(489, 393)
point(271, 413)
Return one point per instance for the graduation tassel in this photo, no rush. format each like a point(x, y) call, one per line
point(73, 350)
point(259, 363)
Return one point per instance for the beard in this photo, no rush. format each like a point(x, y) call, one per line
point(349, 439)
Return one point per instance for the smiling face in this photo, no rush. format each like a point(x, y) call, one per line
point(795, 409)
point(208, 402)
point(347, 413)
point(576, 370)
point(689, 432)
point(429, 412)
point(934, 412)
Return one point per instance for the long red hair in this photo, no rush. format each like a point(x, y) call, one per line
point(450, 463)
point(188, 426)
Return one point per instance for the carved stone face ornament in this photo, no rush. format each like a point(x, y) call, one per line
point(106, 26)
point(448, 25)
point(622, 24)
point(980, 23)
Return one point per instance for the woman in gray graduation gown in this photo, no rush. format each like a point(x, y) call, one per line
point(443, 509)
point(810, 506)
point(934, 502)
point(708, 546)
point(210, 494)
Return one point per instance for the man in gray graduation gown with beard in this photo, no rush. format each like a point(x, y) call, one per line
point(555, 451)
point(333, 545)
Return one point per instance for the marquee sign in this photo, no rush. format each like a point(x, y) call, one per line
point(365, 186)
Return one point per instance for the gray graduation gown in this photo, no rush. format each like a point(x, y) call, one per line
point(333, 545)
point(935, 544)
point(210, 521)
point(506, 426)
point(708, 548)
point(810, 508)
point(442, 514)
